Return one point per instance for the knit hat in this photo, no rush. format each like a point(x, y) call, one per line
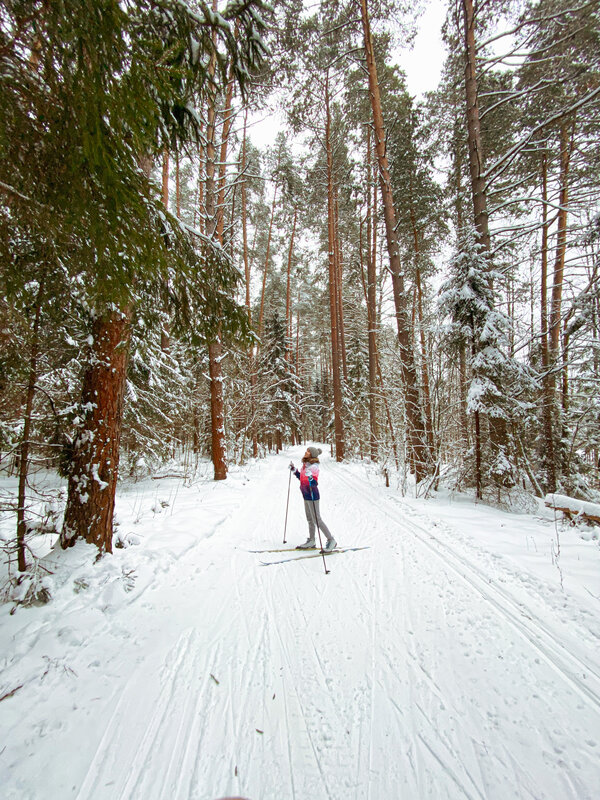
point(314, 451)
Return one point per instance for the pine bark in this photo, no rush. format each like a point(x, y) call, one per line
point(95, 461)
point(554, 327)
point(165, 332)
point(227, 120)
point(251, 358)
point(418, 450)
point(548, 382)
point(419, 309)
point(333, 297)
point(217, 409)
point(288, 291)
point(245, 222)
point(478, 190)
point(339, 281)
point(371, 298)
point(261, 313)
point(425, 365)
point(165, 178)
point(177, 188)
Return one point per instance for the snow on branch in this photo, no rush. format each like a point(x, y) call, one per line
point(535, 21)
point(15, 192)
point(504, 162)
point(574, 508)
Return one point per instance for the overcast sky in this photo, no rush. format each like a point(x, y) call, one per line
point(423, 64)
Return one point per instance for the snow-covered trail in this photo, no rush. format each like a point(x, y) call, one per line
point(415, 669)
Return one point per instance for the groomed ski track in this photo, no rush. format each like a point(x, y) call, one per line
point(415, 669)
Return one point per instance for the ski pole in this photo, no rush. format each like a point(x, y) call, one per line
point(286, 507)
point(312, 497)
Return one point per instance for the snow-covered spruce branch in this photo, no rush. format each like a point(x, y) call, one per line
point(535, 21)
point(503, 188)
point(504, 161)
point(503, 58)
point(8, 189)
point(510, 97)
point(341, 26)
point(529, 199)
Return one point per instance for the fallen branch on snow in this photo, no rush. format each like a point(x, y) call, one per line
point(574, 509)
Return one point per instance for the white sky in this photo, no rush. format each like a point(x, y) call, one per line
point(423, 64)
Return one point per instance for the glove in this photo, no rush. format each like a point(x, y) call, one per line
point(292, 467)
point(312, 482)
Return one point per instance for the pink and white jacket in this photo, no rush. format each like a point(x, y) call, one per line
point(309, 473)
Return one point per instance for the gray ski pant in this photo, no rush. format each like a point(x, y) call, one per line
point(311, 509)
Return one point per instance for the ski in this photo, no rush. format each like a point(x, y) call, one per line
point(316, 554)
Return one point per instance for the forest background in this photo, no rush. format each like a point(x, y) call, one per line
point(412, 280)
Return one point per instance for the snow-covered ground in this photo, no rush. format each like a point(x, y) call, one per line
point(457, 657)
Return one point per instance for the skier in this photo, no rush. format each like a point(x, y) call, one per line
point(308, 476)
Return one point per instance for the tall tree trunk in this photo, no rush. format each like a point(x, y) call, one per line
point(25, 443)
point(165, 328)
point(423, 341)
point(548, 380)
point(245, 222)
point(217, 411)
point(201, 191)
point(335, 356)
point(478, 479)
point(177, 188)
point(416, 427)
point(288, 291)
point(566, 139)
point(462, 356)
point(251, 358)
point(462, 390)
point(298, 341)
point(371, 299)
point(338, 280)
point(165, 178)
point(478, 190)
point(266, 270)
point(95, 462)
point(425, 365)
point(227, 120)
point(371, 310)
point(94, 467)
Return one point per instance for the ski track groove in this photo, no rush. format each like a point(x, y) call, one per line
point(108, 748)
point(283, 650)
point(371, 709)
point(102, 751)
point(143, 779)
point(473, 763)
point(270, 585)
point(177, 754)
point(195, 738)
point(447, 768)
point(411, 659)
point(335, 711)
point(306, 724)
point(514, 616)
